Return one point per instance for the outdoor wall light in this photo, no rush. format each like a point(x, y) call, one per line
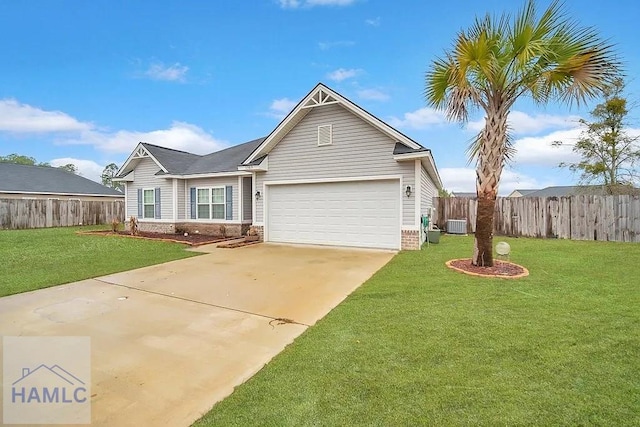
point(408, 191)
point(258, 195)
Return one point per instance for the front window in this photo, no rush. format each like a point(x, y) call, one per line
point(149, 203)
point(211, 203)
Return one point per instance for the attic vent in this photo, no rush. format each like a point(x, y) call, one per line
point(325, 135)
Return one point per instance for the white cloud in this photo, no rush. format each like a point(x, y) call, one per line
point(22, 118)
point(419, 119)
point(525, 124)
point(340, 43)
point(374, 22)
point(343, 74)
point(86, 168)
point(539, 150)
point(172, 73)
point(279, 108)
point(373, 95)
point(66, 130)
point(293, 4)
point(464, 180)
point(180, 136)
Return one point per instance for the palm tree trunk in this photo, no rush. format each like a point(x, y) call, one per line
point(491, 158)
point(483, 245)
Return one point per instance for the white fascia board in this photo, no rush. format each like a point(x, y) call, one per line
point(207, 175)
point(263, 166)
point(130, 177)
point(427, 160)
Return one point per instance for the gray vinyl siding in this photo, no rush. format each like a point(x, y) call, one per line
point(247, 199)
point(145, 178)
point(216, 182)
point(428, 191)
point(182, 200)
point(358, 149)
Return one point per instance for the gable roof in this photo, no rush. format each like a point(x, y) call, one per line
point(323, 95)
point(48, 180)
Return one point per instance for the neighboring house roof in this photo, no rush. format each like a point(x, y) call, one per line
point(567, 190)
point(49, 180)
point(520, 192)
point(461, 194)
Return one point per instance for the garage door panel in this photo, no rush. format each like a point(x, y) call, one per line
point(363, 213)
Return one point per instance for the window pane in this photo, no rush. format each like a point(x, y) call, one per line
point(149, 197)
point(218, 211)
point(203, 195)
point(149, 211)
point(217, 195)
point(203, 211)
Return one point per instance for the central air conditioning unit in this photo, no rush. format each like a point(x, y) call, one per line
point(457, 226)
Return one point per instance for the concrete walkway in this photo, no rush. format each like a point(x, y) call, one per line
point(169, 341)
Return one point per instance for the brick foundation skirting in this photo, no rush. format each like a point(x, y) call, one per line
point(153, 227)
point(410, 240)
point(207, 229)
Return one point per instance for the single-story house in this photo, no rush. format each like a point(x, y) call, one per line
point(43, 182)
point(330, 173)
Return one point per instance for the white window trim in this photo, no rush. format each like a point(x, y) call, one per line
point(211, 204)
point(147, 204)
point(330, 135)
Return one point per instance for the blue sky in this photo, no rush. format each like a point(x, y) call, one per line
point(84, 81)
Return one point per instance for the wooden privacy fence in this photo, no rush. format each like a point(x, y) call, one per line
point(39, 213)
point(583, 217)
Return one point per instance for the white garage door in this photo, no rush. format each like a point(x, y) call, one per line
point(359, 213)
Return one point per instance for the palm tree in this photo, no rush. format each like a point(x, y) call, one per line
point(498, 60)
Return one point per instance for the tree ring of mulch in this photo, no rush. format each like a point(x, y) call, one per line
point(501, 269)
point(190, 239)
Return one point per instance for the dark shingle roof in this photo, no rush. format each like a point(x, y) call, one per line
point(527, 191)
point(463, 194)
point(403, 149)
point(183, 163)
point(174, 161)
point(567, 190)
point(226, 160)
point(47, 180)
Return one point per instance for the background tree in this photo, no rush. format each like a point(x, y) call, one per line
point(498, 60)
point(609, 155)
point(108, 174)
point(444, 193)
point(21, 160)
point(69, 167)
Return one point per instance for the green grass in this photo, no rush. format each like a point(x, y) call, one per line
point(35, 259)
point(419, 344)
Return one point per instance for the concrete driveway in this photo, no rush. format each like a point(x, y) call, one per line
point(169, 341)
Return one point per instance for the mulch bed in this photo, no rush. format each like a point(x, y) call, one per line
point(503, 269)
point(191, 239)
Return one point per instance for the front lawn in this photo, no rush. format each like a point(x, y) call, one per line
point(419, 344)
point(34, 259)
